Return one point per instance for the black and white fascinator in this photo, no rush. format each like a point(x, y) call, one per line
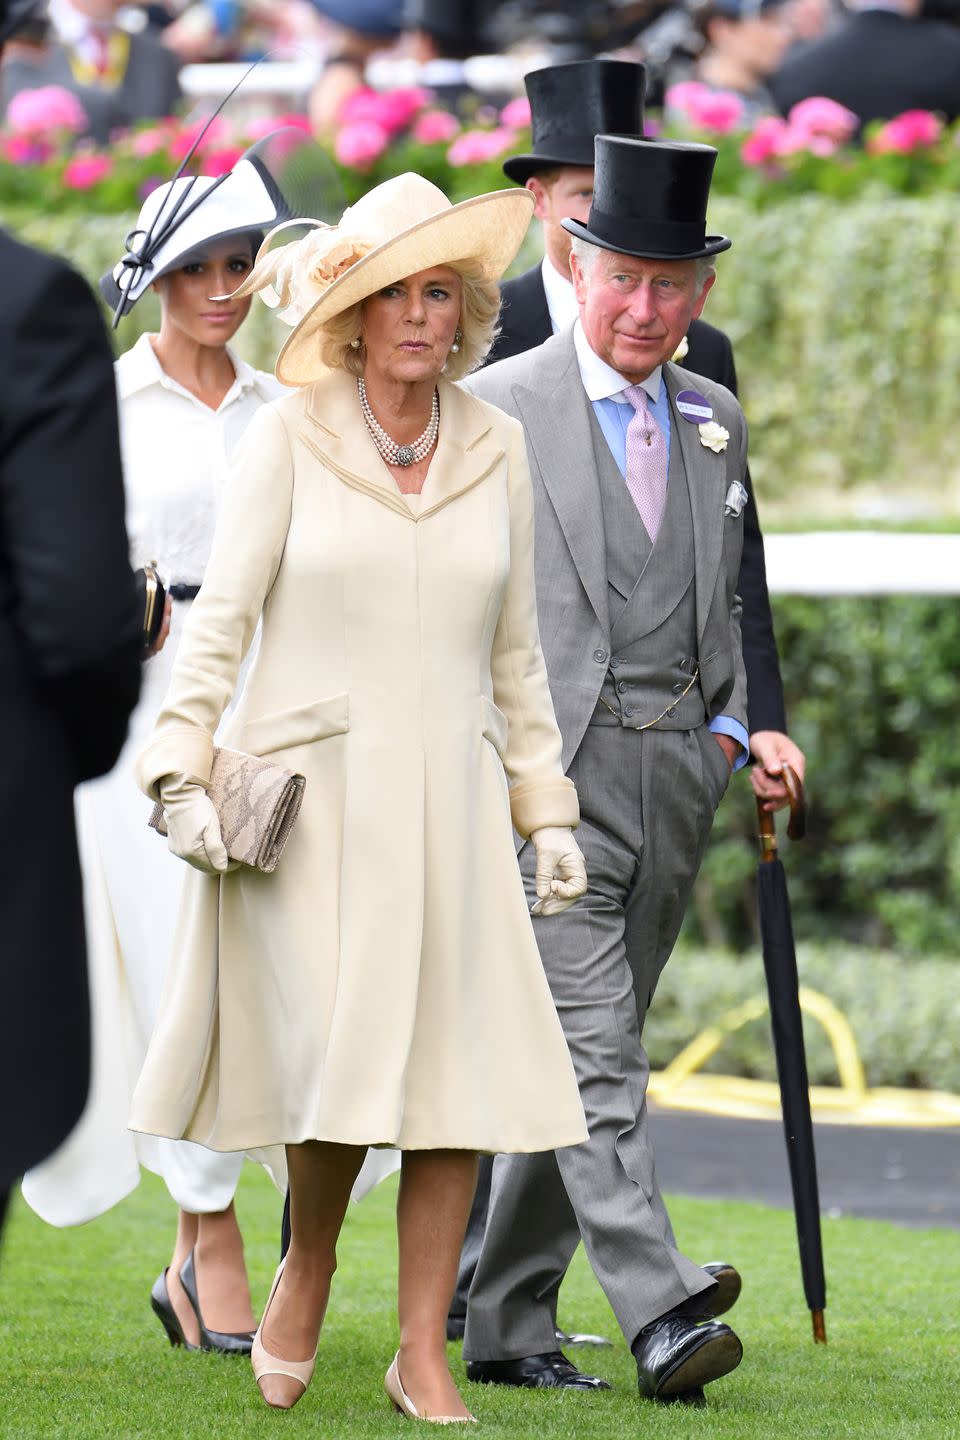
point(283, 179)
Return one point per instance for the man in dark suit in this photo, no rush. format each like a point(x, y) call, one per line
point(118, 77)
point(882, 59)
point(69, 675)
point(570, 104)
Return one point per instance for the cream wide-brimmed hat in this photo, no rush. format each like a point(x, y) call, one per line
point(398, 228)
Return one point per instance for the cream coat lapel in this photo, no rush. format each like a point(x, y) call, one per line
point(706, 479)
point(335, 432)
point(556, 418)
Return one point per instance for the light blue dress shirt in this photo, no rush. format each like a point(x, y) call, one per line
point(613, 416)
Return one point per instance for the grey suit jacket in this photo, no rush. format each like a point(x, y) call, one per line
point(543, 390)
point(150, 88)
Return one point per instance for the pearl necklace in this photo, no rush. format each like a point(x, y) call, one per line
point(393, 453)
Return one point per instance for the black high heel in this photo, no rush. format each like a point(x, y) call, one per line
point(225, 1343)
point(163, 1309)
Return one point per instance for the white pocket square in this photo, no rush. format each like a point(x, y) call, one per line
point(737, 497)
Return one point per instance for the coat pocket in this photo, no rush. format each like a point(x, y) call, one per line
point(494, 725)
point(302, 725)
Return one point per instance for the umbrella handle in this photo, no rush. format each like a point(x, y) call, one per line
point(797, 827)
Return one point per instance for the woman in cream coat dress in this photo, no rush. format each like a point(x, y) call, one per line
point(383, 986)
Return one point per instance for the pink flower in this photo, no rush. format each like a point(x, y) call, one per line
point(719, 111)
point(476, 147)
point(913, 130)
point(85, 171)
point(435, 127)
point(148, 142)
point(820, 116)
point(220, 162)
point(266, 124)
point(216, 137)
point(25, 150)
point(392, 110)
point(685, 95)
point(358, 145)
point(516, 114)
point(763, 145)
point(45, 111)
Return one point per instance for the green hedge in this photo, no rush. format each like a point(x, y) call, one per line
point(846, 326)
point(907, 1028)
point(872, 699)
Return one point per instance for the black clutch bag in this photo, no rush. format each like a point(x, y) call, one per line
point(153, 598)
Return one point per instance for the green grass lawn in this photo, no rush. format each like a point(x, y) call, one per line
point(83, 1357)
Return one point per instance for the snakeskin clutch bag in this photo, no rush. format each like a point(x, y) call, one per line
point(256, 802)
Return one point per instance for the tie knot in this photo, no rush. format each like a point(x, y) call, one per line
point(638, 398)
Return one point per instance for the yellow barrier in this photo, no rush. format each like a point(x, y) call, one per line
point(681, 1087)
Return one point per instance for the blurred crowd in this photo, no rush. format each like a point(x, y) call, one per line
point(878, 58)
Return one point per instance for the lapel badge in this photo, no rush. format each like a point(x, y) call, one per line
point(737, 497)
point(694, 407)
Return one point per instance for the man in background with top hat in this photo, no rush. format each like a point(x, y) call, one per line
point(639, 474)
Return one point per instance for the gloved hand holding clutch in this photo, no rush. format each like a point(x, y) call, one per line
point(193, 828)
point(561, 870)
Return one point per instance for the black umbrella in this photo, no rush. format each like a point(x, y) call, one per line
point(780, 964)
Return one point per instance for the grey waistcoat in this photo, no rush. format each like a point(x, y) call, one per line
point(652, 604)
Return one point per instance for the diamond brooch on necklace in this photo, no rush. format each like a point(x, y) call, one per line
point(393, 453)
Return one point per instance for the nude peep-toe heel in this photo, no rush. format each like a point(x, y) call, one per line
point(402, 1402)
point(266, 1364)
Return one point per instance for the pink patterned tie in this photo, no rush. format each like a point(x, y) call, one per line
point(646, 461)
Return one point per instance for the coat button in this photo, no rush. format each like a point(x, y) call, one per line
point(622, 688)
point(600, 656)
point(630, 710)
point(678, 688)
point(672, 711)
point(615, 662)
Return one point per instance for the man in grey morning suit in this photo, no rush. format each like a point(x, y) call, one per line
point(638, 469)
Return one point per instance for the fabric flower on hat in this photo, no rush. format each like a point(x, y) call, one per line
point(713, 436)
point(292, 278)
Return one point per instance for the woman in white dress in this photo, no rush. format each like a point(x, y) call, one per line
point(185, 400)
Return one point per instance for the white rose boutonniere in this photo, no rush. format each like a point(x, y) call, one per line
point(681, 352)
point(713, 436)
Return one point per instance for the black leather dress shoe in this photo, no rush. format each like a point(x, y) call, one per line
point(679, 1354)
point(224, 1342)
point(534, 1372)
point(727, 1293)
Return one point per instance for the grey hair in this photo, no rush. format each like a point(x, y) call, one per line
point(587, 254)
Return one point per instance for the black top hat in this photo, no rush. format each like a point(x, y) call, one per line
point(650, 199)
point(571, 104)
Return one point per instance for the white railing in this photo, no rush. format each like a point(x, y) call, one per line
point(863, 562)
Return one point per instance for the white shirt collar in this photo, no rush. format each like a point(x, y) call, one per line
point(601, 381)
point(139, 368)
point(561, 297)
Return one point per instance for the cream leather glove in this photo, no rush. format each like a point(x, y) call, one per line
point(193, 829)
point(561, 870)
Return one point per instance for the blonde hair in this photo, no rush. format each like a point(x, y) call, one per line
point(479, 314)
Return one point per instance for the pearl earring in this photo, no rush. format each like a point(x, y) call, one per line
point(455, 347)
point(355, 343)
